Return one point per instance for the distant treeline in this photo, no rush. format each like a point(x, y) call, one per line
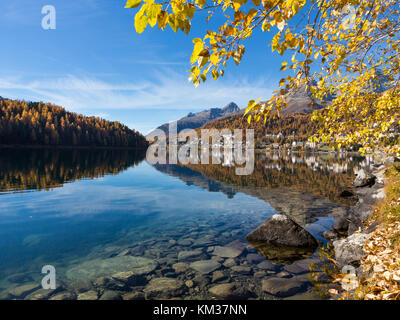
point(298, 123)
point(37, 123)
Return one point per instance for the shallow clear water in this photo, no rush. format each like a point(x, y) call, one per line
point(70, 208)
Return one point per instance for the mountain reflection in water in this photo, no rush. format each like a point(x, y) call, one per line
point(301, 185)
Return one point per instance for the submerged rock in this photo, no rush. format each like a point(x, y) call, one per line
point(191, 254)
point(134, 296)
point(111, 295)
point(229, 263)
point(80, 286)
point(20, 278)
point(185, 242)
point(227, 252)
point(22, 291)
point(283, 254)
point(41, 294)
point(241, 270)
point(254, 258)
point(283, 287)
point(302, 266)
point(95, 268)
point(180, 267)
point(66, 295)
point(124, 280)
point(266, 265)
point(164, 288)
point(218, 276)
point(88, 295)
point(205, 266)
point(230, 291)
point(283, 274)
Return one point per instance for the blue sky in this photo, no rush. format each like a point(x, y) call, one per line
point(96, 64)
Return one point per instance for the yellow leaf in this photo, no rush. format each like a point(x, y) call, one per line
point(133, 3)
point(162, 19)
point(187, 26)
point(249, 119)
point(215, 74)
point(201, 3)
point(198, 47)
point(173, 23)
point(266, 26)
point(140, 21)
point(152, 12)
point(237, 4)
point(214, 59)
point(229, 31)
point(295, 7)
point(189, 10)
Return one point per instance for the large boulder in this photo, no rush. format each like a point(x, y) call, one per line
point(350, 250)
point(282, 231)
point(282, 240)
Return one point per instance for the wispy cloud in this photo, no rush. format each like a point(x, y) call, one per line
point(166, 90)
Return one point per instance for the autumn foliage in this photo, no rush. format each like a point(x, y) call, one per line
point(37, 123)
point(289, 127)
point(349, 49)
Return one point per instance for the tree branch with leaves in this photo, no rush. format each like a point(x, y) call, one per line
point(345, 49)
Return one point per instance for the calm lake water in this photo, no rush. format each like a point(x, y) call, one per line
point(92, 214)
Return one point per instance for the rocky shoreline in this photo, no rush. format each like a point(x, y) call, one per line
point(349, 234)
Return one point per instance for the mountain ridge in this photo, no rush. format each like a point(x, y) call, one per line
point(299, 100)
point(196, 120)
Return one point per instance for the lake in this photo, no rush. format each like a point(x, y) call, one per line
point(113, 225)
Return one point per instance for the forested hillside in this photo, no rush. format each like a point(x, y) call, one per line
point(296, 126)
point(37, 123)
